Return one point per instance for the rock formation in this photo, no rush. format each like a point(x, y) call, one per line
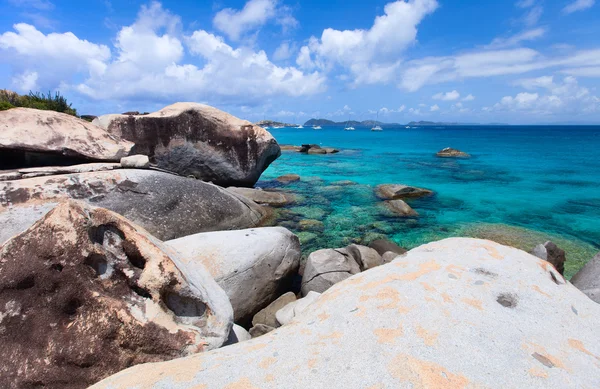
point(551, 253)
point(449, 152)
point(400, 191)
point(588, 279)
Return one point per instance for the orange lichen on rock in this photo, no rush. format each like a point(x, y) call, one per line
point(423, 374)
point(267, 362)
point(473, 302)
point(429, 337)
point(388, 335)
point(244, 383)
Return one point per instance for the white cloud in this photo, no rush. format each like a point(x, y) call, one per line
point(525, 3)
point(284, 51)
point(414, 111)
point(43, 5)
point(470, 97)
point(590, 71)
point(434, 108)
point(26, 82)
point(532, 17)
point(578, 5)
point(517, 39)
point(534, 83)
point(448, 96)
point(402, 108)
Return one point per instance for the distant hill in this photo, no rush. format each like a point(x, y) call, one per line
point(271, 123)
point(353, 123)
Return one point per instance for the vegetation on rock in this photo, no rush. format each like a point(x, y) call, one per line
point(49, 102)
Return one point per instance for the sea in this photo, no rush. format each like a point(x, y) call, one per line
point(522, 186)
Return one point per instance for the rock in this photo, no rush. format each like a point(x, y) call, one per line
point(343, 183)
point(166, 205)
point(236, 335)
point(383, 245)
point(313, 150)
point(198, 140)
point(329, 150)
point(135, 162)
point(33, 172)
point(449, 152)
point(399, 191)
point(410, 317)
point(286, 314)
point(85, 293)
point(260, 330)
point(400, 207)
point(311, 225)
point(290, 148)
point(32, 137)
point(553, 254)
point(265, 197)
point(327, 267)
point(252, 266)
point(588, 279)
point(307, 237)
point(266, 316)
point(389, 256)
point(366, 257)
point(287, 178)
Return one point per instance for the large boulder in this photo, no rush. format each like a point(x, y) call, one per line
point(366, 257)
point(399, 207)
point(327, 267)
point(198, 140)
point(459, 313)
point(253, 266)
point(553, 254)
point(449, 152)
point(84, 293)
point(166, 205)
point(32, 137)
point(588, 279)
point(400, 191)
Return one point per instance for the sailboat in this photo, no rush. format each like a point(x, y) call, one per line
point(346, 128)
point(315, 127)
point(299, 125)
point(377, 126)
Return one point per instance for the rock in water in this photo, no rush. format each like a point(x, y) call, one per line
point(400, 191)
point(400, 207)
point(264, 197)
point(198, 140)
point(449, 152)
point(588, 279)
point(166, 205)
point(553, 254)
point(253, 266)
point(84, 293)
point(287, 178)
point(32, 137)
point(327, 267)
point(459, 313)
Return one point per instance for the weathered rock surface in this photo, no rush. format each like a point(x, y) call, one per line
point(84, 293)
point(166, 205)
point(553, 254)
point(366, 257)
point(389, 256)
point(399, 191)
point(253, 266)
point(399, 207)
point(266, 316)
point(135, 162)
point(588, 279)
point(260, 330)
point(33, 172)
point(449, 152)
point(459, 313)
point(32, 137)
point(198, 140)
point(325, 268)
point(236, 335)
point(383, 245)
point(286, 314)
point(265, 197)
point(287, 178)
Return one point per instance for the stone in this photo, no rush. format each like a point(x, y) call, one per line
point(399, 207)
point(325, 268)
point(85, 293)
point(265, 197)
point(313, 150)
point(135, 162)
point(389, 256)
point(32, 137)
point(343, 183)
point(366, 257)
point(266, 315)
point(260, 330)
point(290, 148)
point(287, 178)
point(166, 205)
point(409, 318)
point(288, 313)
point(198, 140)
point(553, 254)
point(311, 225)
point(400, 191)
point(253, 266)
point(236, 335)
point(330, 150)
point(449, 152)
point(383, 245)
point(33, 172)
point(588, 279)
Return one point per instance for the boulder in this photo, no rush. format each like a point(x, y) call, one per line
point(588, 279)
point(551, 253)
point(236, 335)
point(135, 162)
point(366, 257)
point(449, 152)
point(330, 150)
point(325, 268)
point(260, 330)
point(389, 256)
point(85, 293)
point(253, 266)
point(264, 197)
point(399, 207)
point(286, 314)
point(32, 137)
point(314, 150)
point(459, 313)
point(198, 140)
point(383, 245)
point(400, 191)
point(290, 148)
point(33, 172)
point(266, 315)
point(311, 225)
point(287, 178)
point(166, 205)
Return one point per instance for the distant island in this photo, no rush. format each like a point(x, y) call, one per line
point(367, 123)
point(271, 123)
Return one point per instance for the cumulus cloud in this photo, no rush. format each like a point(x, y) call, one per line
point(578, 5)
point(448, 96)
point(517, 39)
point(284, 51)
point(470, 97)
point(434, 108)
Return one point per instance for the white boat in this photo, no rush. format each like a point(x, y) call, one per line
point(317, 128)
point(348, 128)
point(278, 127)
point(377, 127)
point(407, 126)
point(300, 126)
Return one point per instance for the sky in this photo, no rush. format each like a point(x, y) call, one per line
point(468, 61)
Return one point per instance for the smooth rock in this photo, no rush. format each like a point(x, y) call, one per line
point(30, 137)
point(399, 191)
point(166, 205)
point(290, 148)
point(253, 266)
point(329, 150)
point(399, 207)
point(287, 178)
point(325, 268)
point(266, 316)
point(85, 293)
point(33, 172)
point(588, 279)
point(236, 335)
point(286, 314)
point(383, 245)
point(265, 197)
point(459, 313)
point(260, 330)
point(389, 256)
point(449, 152)
point(198, 140)
point(135, 162)
point(551, 253)
point(366, 257)
point(313, 150)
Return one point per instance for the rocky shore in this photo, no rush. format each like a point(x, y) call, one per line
point(135, 252)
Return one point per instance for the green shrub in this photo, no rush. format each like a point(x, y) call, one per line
point(4, 105)
point(37, 100)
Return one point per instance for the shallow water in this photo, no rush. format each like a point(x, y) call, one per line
point(543, 178)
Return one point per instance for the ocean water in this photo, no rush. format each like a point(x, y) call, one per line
point(522, 185)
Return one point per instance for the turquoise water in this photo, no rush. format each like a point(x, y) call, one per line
point(543, 178)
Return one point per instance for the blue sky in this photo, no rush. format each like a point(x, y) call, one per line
point(527, 61)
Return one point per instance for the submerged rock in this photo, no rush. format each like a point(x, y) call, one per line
point(399, 207)
point(588, 279)
point(449, 152)
point(400, 191)
point(408, 319)
point(551, 253)
point(287, 178)
point(325, 268)
point(198, 140)
point(85, 293)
